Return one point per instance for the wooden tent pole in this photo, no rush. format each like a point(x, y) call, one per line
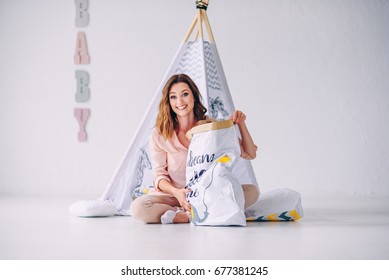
point(190, 30)
point(211, 38)
point(198, 20)
point(197, 35)
point(200, 23)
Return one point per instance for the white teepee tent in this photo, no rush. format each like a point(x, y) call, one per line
point(197, 57)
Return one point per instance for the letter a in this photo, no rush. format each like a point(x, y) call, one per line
point(81, 56)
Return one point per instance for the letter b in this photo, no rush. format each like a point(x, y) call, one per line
point(83, 93)
point(82, 15)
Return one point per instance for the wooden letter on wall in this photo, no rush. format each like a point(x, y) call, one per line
point(82, 15)
point(81, 56)
point(82, 116)
point(83, 93)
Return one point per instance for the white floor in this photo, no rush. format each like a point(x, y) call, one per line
point(332, 228)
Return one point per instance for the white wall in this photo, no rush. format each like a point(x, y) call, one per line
point(312, 77)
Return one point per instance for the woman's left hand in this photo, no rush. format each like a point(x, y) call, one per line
point(238, 117)
point(248, 148)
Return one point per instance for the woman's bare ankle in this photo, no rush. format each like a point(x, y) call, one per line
point(181, 218)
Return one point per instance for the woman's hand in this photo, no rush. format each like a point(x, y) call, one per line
point(248, 148)
point(180, 195)
point(238, 117)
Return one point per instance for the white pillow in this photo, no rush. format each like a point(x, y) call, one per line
point(277, 205)
point(92, 208)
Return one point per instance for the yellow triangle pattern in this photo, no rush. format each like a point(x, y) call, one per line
point(293, 214)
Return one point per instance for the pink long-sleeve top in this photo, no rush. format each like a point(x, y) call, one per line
point(164, 153)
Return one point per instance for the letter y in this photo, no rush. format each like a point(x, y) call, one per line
point(82, 116)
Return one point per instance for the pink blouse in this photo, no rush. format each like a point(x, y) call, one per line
point(164, 153)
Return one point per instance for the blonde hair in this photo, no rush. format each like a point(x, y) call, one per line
point(167, 121)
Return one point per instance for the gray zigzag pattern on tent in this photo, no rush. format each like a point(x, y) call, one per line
point(212, 74)
point(190, 62)
point(191, 65)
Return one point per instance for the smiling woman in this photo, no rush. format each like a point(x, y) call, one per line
point(181, 99)
point(180, 103)
point(180, 109)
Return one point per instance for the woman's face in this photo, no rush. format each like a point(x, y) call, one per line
point(181, 99)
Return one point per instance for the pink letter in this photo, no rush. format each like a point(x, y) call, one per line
point(81, 56)
point(82, 115)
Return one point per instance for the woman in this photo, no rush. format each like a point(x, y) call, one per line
point(179, 110)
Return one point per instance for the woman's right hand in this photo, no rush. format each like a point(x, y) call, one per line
point(180, 195)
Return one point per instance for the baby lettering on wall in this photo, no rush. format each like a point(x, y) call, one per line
point(81, 56)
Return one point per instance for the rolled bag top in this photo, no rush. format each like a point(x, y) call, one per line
point(207, 126)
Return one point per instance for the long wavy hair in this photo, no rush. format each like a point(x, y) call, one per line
point(167, 121)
